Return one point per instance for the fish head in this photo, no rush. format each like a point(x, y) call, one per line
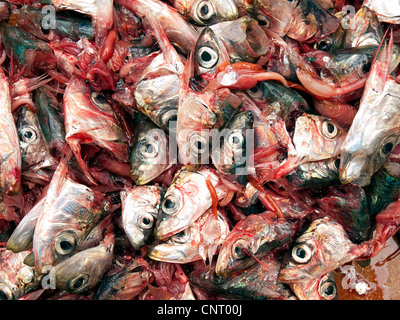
point(194, 243)
point(182, 247)
point(140, 207)
point(83, 271)
point(34, 150)
point(207, 12)
point(318, 250)
point(66, 222)
point(244, 38)
point(233, 144)
point(365, 151)
point(317, 138)
point(150, 152)
point(157, 98)
point(209, 53)
point(275, 15)
point(322, 288)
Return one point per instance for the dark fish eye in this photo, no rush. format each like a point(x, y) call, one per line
point(198, 143)
point(366, 67)
point(328, 290)
point(145, 221)
point(207, 57)
point(65, 244)
point(263, 21)
point(181, 237)
point(28, 135)
point(100, 101)
point(149, 148)
point(78, 283)
point(387, 148)
point(329, 130)
point(205, 10)
point(170, 205)
point(301, 253)
point(237, 247)
point(337, 163)
point(3, 295)
point(324, 45)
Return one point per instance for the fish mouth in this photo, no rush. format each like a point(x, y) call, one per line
point(354, 169)
point(165, 253)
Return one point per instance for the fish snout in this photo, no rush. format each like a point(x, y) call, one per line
point(355, 169)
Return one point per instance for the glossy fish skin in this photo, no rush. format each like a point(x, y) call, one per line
point(186, 199)
point(124, 282)
point(320, 249)
point(323, 288)
point(196, 242)
point(364, 29)
point(22, 236)
point(89, 118)
point(10, 152)
point(259, 233)
point(243, 38)
point(83, 271)
point(207, 12)
point(315, 138)
point(66, 221)
point(301, 20)
point(315, 174)
point(266, 93)
point(150, 155)
point(233, 155)
point(16, 278)
point(253, 283)
point(27, 50)
point(34, 150)
point(383, 189)
point(386, 10)
point(375, 130)
point(157, 98)
point(140, 206)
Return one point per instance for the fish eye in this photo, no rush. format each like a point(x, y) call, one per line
point(237, 247)
point(263, 21)
point(324, 45)
point(214, 278)
point(145, 221)
point(170, 204)
point(207, 57)
point(198, 143)
point(169, 119)
point(28, 135)
point(181, 237)
point(256, 92)
point(149, 148)
point(78, 283)
point(205, 10)
point(6, 292)
point(329, 130)
point(65, 244)
point(387, 149)
point(100, 101)
point(327, 290)
point(364, 68)
point(301, 253)
point(236, 140)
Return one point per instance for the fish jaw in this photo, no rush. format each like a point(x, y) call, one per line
point(355, 169)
